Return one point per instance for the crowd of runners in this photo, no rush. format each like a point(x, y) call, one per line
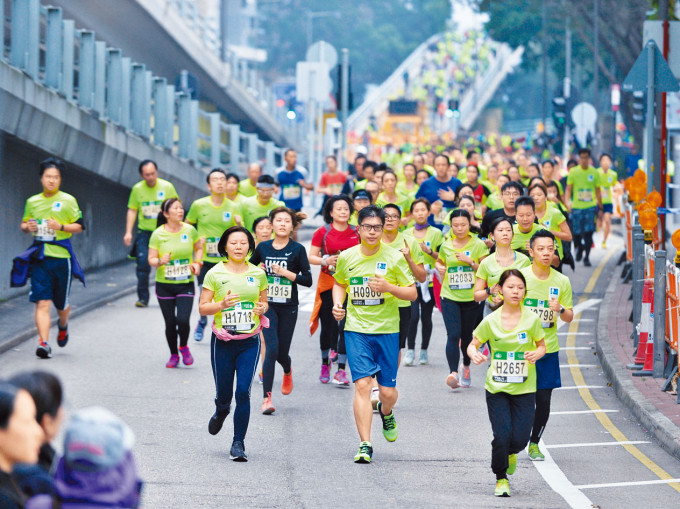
point(482, 235)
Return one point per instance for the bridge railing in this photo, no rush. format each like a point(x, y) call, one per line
point(104, 82)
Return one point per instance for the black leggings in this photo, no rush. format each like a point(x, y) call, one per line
point(584, 242)
point(460, 319)
point(543, 397)
point(332, 335)
point(176, 301)
point(421, 311)
point(404, 322)
point(277, 340)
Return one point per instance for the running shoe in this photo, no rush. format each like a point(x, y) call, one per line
point(216, 422)
point(325, 375)
point(259, 378)
point(62, 337)
point(579, 254)
point(512, 464)
point(141, 304)
point(452, 381)
point(365, 453)
point(586, 262)
point(341, 379)
point(287, 383)
point(502, 488)
point(44, 351)
point(173, 362)
point(535, 453)
point(422, 359)
point(389, 424)
point(466, 381)
point(238, 452)
point(333, 357)
point(375, 398)
point(187, 358)
point(409, 357)
point(267, 407)
point(198, 333)
point(604, 245)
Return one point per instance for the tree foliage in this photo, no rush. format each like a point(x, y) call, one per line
point(379, 34)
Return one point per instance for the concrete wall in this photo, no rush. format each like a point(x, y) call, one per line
point(102, 162)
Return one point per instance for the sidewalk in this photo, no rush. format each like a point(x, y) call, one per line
point(656, 411)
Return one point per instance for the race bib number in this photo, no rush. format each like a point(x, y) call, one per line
point(335, 188)
point(442, 216)
point(211, 247)
point(430, 273)
point(178, 270)
point(605, 193)
point(584, 195)
point(44, 233)
point(542, 309)
point(291, 192)
point(239, 318)
point(361, 295)
point(461, 277)
point(150, 209)
point(280, 290)
point(509, 367)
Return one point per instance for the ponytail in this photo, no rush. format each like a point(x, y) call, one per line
point(165, 207)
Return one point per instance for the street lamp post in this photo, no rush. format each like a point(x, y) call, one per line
point(311, 16)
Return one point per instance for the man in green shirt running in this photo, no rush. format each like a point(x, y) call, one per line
point(52, 217)
point(144, 205)
point(373, 278)
point(260, 204)
point(248, 186)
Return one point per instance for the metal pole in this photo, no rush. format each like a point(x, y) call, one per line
point(638, 279)
point(663, 167)
point(544, 57)
point(567, 91)
point(659, 313)
point(649, 124)
point(596, 52)
point(344, 100)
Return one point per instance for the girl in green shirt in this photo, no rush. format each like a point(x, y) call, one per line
point(550, 218)
point(517, 341)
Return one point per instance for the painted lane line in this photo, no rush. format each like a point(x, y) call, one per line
point(577, 348)
point(594, 444)
point(578, 387)
point(567, 366)
point(577, 412)
point(558, 482)
point(580, 308)
point(628, 483)
point(567, 333)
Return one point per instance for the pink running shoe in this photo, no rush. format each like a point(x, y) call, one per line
point(325, 376)
point(341, 379)
point(173, 362)
point(187, 358)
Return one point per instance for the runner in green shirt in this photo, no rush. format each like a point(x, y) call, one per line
point(248, 186)
point(583, 199)
point(176, 251)
point(372, 277)
point(551, 218)
point(212, 216)
point(548, 295)
point(526, 226)
point(459, 258)
point(608, 179)
point(51, 216)
point(144, 205)
point(261, 204)
point(235, 291)
point(517, 343)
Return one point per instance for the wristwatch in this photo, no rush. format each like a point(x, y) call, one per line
point(487, 290)
point(562, 310)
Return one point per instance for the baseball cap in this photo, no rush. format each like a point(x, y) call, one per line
point(96, 440)
point(361, 194)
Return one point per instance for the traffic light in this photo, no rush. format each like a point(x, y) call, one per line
point(639, 105)
point(453, 108)
point(559, 114)
point(291, 114)
point(338, 93)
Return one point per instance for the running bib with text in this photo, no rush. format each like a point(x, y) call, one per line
point(605, 193)
point(542, 309)
point(44, 233)
point(585, 195)
point(461, 277)
point(361, 295)
point(150, 209)
point(239, 318)
point(177, 270)
point(509, 367)
point(280, 290)
point(291, 192)
point(211, 247)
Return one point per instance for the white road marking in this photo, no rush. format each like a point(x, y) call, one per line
point(576, 412)
point(565, 333)
point(576, 348)
point(580, 308)
point(595, 444)
point(572, 387)
point(567, 366)
point(558, 482)
point(627, 483)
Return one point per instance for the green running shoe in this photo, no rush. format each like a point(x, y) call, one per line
point(512, 464)
point(365, 453)
point(502, 488)
point(535, 453)
point(389, 424)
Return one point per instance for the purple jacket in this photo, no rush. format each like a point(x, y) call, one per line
point(76, 489)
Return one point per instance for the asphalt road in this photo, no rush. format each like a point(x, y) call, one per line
point(301, 456)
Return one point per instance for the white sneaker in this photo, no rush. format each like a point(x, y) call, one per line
point(409, 357)
point(423, 357)
point(375, 398)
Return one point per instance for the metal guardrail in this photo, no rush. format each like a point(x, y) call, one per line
point(104, 82)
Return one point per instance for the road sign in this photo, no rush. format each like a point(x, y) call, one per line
point(584, 116)
point(664, 81)
point(312, 81)
point(322, 51)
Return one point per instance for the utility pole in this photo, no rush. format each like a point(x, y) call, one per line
point(596, 52)
point(544, 57)
point(663, 166)
point(344, 104)
point(567, 90)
